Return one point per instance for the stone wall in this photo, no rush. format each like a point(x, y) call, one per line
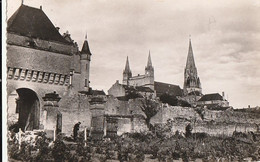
point(214, 122)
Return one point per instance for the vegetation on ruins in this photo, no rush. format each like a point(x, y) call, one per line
point(173, 100)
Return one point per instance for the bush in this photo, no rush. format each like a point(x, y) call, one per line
point(60, 151)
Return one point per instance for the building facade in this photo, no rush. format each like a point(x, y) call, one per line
point(41, 61)
point(146, 80)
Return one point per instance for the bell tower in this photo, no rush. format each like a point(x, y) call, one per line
point(192, 83)
point(85, 55)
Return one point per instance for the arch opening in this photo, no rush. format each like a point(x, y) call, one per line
point(23, 110)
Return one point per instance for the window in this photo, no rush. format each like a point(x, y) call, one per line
point(86, 66)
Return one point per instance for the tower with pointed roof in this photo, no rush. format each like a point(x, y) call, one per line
point(85, 55)
point(192, 85)
point(149, 72)
point(127, 72)
point(145, 80)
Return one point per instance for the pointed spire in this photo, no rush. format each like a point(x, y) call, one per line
point(86, 37)
point(190, 59)
point(127, 67)
point(85, 48)
point(149, 63)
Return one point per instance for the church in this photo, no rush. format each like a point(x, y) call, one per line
point(147, 86)
point(143, 83)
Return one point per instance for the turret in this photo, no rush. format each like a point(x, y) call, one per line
point(127, 72)
point(85, 55)
point(191, 80)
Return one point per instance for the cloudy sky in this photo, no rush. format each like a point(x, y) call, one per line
point(225, 38)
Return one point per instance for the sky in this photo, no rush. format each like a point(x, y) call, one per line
point(225, 39)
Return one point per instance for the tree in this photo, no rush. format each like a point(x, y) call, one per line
point(150, 109)
point(169, 99)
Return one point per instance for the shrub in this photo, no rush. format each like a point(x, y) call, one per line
point(60, 151)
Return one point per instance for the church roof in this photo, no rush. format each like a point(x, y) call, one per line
point(137, 88)
point(32, 22)
point(210, 97)
point(190, 59)
point(171, 89)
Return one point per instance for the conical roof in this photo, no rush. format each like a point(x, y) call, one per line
point(85, 48)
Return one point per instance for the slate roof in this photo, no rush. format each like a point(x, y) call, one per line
point(210, 97)
point(85, 48)
point(98, 92)
point(171, 89)
point(33, 22)
point(137, 88)
point(196, 93)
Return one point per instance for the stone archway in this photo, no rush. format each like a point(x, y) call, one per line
point(25, 105)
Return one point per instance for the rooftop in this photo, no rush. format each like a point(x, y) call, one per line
point(33, 22)
point(171, 89)
point(210, 97)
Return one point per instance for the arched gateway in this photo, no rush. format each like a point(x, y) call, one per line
point(24, 105)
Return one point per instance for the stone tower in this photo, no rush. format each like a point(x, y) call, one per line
point(85, 55)
point(127, 72)
point(192, 83)
point(149, 72)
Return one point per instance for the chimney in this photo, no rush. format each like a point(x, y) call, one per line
point(223, 95)
point(249, 106)
point(58, 28)
point(40, 7)
point(117, 81)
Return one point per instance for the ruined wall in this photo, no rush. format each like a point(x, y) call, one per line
point(214, 122)
point(75, 108)
point(169, 112)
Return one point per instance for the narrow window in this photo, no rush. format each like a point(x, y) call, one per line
point(86, 82)
point(86, 66)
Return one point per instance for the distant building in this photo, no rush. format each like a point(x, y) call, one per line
point(213, 101)
point(146, 80)
point(120, 90)
point(143, 84)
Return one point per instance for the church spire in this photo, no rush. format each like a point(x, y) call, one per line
point(191, 80)
point(149, 63)
point(190, 59)
point(127, 72)
point(127, 67)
